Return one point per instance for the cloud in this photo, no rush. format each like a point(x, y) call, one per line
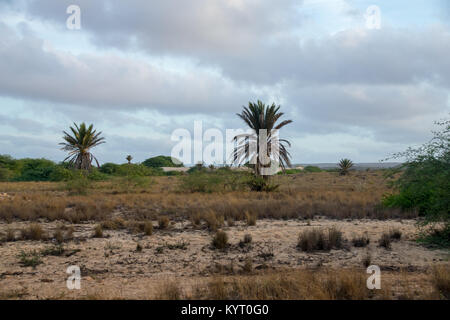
point(369, 87)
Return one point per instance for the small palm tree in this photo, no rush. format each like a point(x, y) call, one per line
point(79, 145)
point(344, 166)
point(129, 158)
point(258, 117)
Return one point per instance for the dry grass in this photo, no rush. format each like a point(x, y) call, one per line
point(220, 240)
point(98, 231)
point(300, 196)
point(298, 285)
point(318, 239)
point(163, 222)
point(33, 232)
point(441, 281)
point(321, 284)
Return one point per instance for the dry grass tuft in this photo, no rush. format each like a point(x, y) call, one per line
point(98, 231)
point(170, 290)
point(320, 240)
point(220, 240)
point(163, 222)
point(385, 241)
point(33, 232)
point(441, 280)
point(251, 218)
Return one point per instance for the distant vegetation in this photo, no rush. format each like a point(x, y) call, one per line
point(45, 170)
point(162, 161)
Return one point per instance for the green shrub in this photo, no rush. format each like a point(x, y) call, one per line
point(30, 259)
point(259, 184)
point(109, 168)
point(424, 185)
point(162, 161)
point(35, 169)
point(78, 185)
point(95, 175)
point(6, 174)
point(290, 171)
point(312, 169)
point(59, 173)
point(201, 182)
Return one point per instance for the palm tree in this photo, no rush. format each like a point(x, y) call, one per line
point(79, 145)
point(344, 166)
point(258, 117)
point(129, 158)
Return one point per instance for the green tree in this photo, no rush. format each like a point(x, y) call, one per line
point(425, 183)
point(162, 161)
point(344, 166)
point(79, 145)
point(260, 117)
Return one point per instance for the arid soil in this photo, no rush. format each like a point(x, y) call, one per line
point(122, 264)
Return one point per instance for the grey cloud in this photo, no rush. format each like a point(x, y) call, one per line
point(107, 81)
point(260, 41)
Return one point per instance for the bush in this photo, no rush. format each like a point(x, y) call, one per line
point(361, 241)
point(78, 185)
point(148, 228)
point(109, 168)
point(441, 280)
point(317, 240)
point(201, 182)
point(6, 174)
point(439, 237)
point(98, 231)
point(213, 222)
point(290, 171)
point(59, 173)
point(35, 170)
point(251, 218)
point(395, 234)
point(95, 175)
point(312, 169)
point(424, 185)
point(162, 161)
point(128, 183)
point(259, 184)
point(246, 241)
point(163, 222)
point(33, 232)
point(385, 241)
point(220, 240)
point(30, 259)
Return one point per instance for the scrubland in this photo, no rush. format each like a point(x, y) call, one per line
point(312, 238)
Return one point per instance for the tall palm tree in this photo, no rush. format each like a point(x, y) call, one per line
point(79, 145)
point(129, 158)
point(259, 116)
point(344, 166)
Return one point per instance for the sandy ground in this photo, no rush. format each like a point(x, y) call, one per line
point(112, 267)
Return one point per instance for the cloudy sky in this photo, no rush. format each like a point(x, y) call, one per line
point(139, 70)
